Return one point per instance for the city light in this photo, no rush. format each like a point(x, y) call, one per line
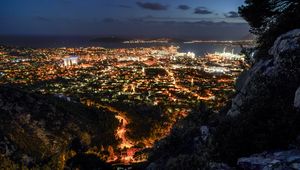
point(157, 76)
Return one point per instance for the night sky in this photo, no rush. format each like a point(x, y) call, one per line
point(206, 19)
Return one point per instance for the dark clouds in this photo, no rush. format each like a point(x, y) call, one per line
point(152, 6)
point(202, 11)
point(177, 18)
point(184, 7)
point(232, 14)
point(148, 26)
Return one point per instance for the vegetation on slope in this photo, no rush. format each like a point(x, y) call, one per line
point(37, 130)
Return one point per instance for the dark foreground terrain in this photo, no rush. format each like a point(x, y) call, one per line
point(38, 131)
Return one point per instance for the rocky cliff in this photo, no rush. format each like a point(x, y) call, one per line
point(278, 77)
point(271, 88)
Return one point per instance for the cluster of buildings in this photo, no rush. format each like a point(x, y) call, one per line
point(155, 75)
point(158, 76)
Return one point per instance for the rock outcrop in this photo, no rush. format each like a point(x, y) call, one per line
point(284, 160)
point(282, 71)
point(268, 93)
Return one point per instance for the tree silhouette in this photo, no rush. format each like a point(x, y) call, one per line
point(269, 19)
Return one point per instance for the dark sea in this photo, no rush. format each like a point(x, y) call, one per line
point(199, 49)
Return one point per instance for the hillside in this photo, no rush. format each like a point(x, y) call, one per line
point(37, 130)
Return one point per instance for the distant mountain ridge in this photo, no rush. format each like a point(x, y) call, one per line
point(116, 39)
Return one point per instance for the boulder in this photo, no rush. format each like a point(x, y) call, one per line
point(287, 160)
point(286, 43)
point(282, 69)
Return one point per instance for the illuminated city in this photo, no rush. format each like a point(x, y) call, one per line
point(150, 85)
point(122, 79)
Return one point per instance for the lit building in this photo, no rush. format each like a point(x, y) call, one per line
point(71, 60)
